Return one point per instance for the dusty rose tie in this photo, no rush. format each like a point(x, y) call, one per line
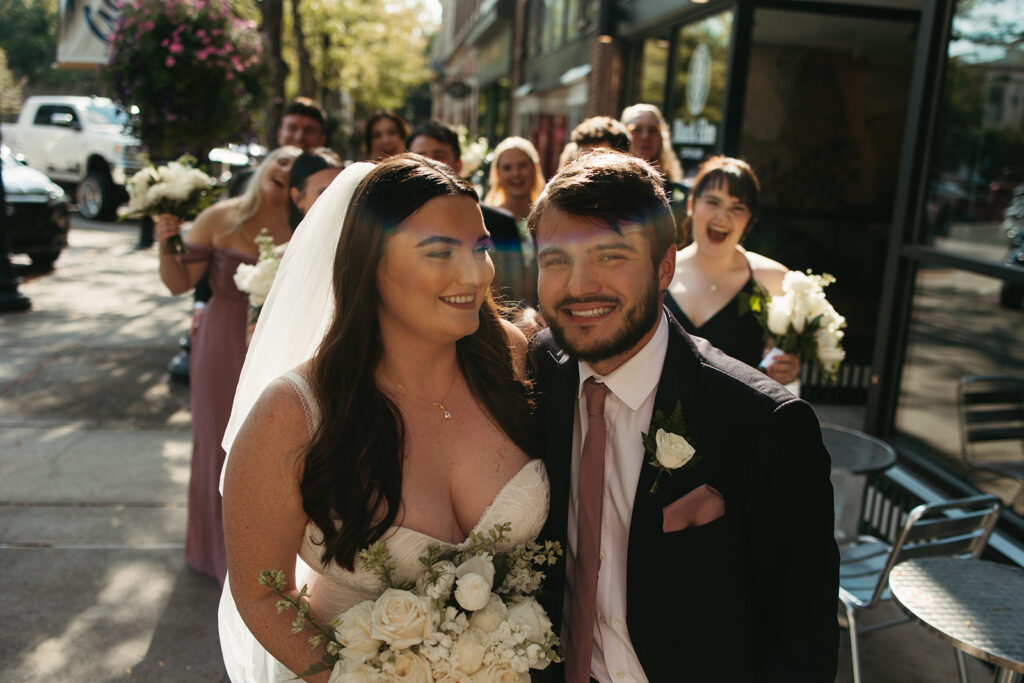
point(579, 637)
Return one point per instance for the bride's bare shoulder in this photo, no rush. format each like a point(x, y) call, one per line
point(517, 345)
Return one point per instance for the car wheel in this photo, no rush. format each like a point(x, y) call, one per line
point(96, 197)
point(44, 261)
point(1011, 296)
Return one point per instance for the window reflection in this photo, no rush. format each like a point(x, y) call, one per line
point(957, 328)
point(979, 156)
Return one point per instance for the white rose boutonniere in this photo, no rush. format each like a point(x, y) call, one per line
point(666, 443)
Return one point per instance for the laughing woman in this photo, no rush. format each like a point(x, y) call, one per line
point(714, 269)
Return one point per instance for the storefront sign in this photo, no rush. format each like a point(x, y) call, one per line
point(699, 132)
point(85, 28)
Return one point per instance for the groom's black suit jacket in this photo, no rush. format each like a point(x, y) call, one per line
point(750, 596)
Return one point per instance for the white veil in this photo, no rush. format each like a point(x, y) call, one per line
point(292, 323)
point(300, 304)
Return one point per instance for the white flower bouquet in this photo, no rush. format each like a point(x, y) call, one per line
point(177, 188)
point(256, 280)
point(473, 156)
point(471, 615)
point(802, 321)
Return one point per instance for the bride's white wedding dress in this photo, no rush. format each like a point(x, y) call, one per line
point(523, 502)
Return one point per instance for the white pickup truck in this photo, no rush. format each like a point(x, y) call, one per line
point(82, 144)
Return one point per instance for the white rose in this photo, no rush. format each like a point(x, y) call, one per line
point(795, 281)
point(409, 666)
point(673, 450)
point(780, 310)
point(350, 672)
point(354, 633)
point(498, 673)
point(401, 619)
point(469, 650)
point(261, 280)
point(243, 276)
point(441, 588)
point(532, 616)
point(472, 591)
point(478, 564)
point(491, 616)
point(454, 676)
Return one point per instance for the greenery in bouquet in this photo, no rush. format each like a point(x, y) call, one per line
point(471, 614)
point(177, 188)
point(256, 280)
point(801, 320)
point(193, 68)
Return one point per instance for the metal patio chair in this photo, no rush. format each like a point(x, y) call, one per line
point(954, 528)
point(991, 409)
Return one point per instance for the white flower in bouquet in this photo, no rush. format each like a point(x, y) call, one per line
point(354, 632)
point(490, 616)
point(802, 320)
point(474, 579)
point(469, 650)
point(256, 280)
point(176, 188)
point(499, 673)
point(408, 666)
point(422, 630)
point(401, 619)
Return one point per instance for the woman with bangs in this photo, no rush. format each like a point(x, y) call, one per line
point(714, 270)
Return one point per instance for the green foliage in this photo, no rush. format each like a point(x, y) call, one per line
point(193, 67)
point(28, 34)
point(10, 88)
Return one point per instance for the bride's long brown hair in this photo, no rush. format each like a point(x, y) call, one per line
point(353, 469)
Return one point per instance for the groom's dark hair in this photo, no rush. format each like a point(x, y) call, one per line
point(611, 188)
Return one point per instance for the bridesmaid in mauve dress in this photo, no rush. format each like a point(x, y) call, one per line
point(221, 238)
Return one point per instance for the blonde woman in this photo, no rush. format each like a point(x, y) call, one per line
point(516, 179)
point(221, 237)
point(650, 139)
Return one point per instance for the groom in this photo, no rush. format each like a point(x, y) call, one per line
point(704, 551)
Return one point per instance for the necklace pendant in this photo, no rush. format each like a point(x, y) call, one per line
point(447, 414)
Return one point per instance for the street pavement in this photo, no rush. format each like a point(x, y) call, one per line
point(94, 468)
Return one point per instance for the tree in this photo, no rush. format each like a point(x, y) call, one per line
point(193, 68)
point(10, 88)
point(272, 12)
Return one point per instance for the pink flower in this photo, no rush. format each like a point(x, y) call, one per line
point(176, 48)
point(165, 42)
point(149, 25)
point(169, 62)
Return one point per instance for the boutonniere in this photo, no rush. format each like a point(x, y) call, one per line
point(666, 443)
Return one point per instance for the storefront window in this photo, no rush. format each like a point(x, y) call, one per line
point(957, 328)
point(978, 159)
point(702, 60)
point(653, 70)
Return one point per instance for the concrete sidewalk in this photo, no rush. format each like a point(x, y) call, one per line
point(94, 467)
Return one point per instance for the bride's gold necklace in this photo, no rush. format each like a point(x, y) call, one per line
point(437, 404)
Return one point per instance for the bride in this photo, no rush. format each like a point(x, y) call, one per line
point(405, 418)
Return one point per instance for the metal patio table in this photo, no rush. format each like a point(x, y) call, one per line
point(975, 605)
point(856, 452)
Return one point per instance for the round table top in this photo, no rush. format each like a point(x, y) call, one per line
point(854, 451)
point(975, 605)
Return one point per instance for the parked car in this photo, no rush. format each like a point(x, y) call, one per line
point(37, 212)
point(83, 143)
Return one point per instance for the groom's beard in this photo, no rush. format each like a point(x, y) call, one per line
point(641, 317)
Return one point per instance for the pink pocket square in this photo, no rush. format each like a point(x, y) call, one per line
point(700, 506)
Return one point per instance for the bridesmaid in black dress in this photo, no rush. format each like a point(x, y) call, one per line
point(713, 270)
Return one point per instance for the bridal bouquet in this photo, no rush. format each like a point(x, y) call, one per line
point(802, 320)
point(255, 280)
point(469, 616)
point(177, 188)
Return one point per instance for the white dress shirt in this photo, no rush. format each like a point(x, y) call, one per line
point(629, 406)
